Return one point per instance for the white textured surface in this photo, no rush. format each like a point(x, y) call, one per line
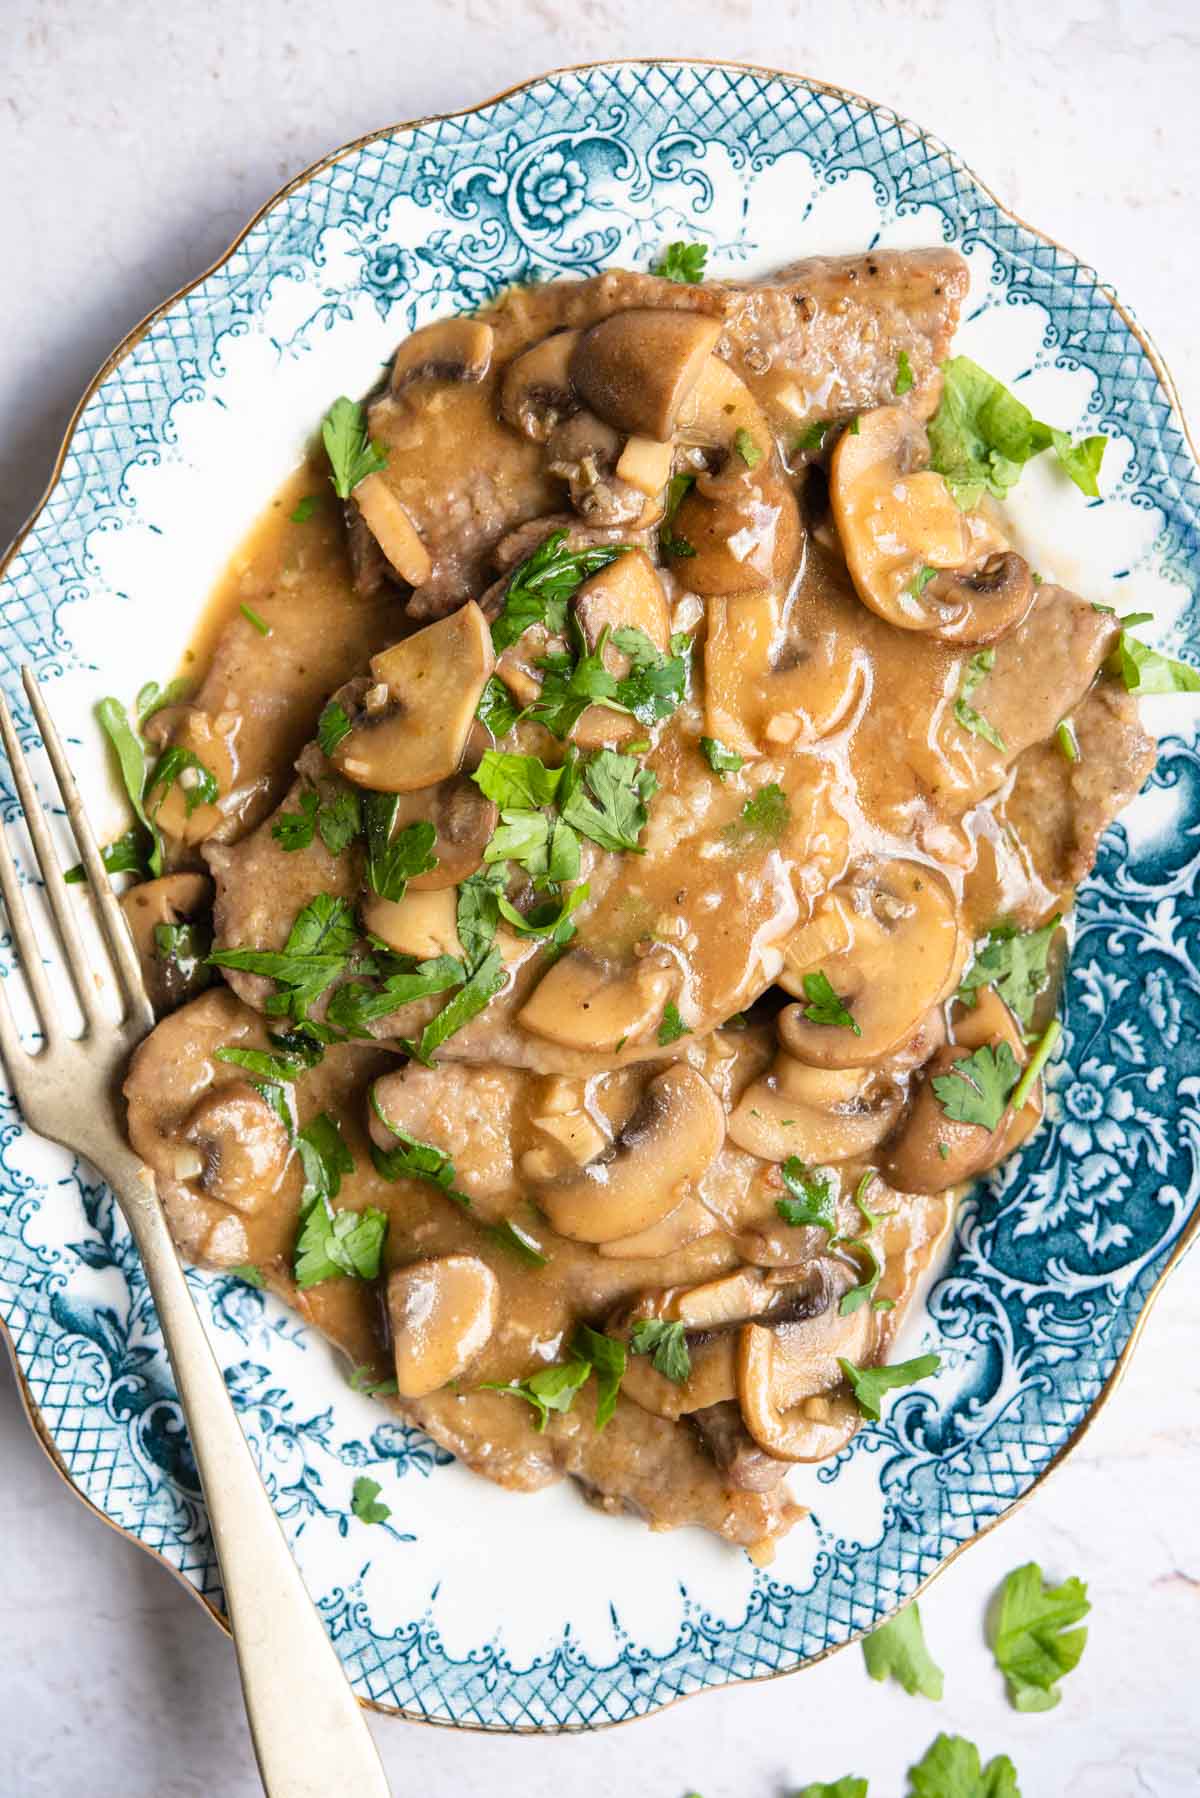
point(135, 140)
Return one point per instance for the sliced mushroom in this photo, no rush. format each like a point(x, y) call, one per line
point(442, 1312)
point(585, 1001)
point(431, 683)
point(904, 951)
point(627, 595)
point(646, 464)
point(673, 1136)
point(536, 392)
point(687, 1223)
point(174, 899)
point(789, 1380)
point(738, 647)
point(583, 451)
point(638, 367)
point(916, 558)
point(243, 1145)
point(424, 924)
point(451, 349)
point(821, 1115)
point(394, 531)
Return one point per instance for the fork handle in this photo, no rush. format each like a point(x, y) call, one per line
point(310, 1736)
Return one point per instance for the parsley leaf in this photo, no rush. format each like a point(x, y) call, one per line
point(518, 1242)
point(813, 1197)
point(551, 1389)
point(606, 1358)
point(413, 1159)
point(332, 726)
point(666, 1344)
point(869, 1384)
point(497, 710)
point(977, 671)
point(481, 986)
point(331, 1243)
point(898, 1648)
point(392, 861)
point(570, 684)
point(352, 456)
point(846, 1787)
point(722, 761)
point(656, 684)
point(678, 488)
point(131, 759)
point(551, 919)
point(672, 1026)
point(318, 949)
point(294, 1056)
point(479, 912)
point(541, 587)
point(126, 856)
point(767, 815)
point(981, 437)
point(904, 374)
point(324, 1158)
point(362, 1379)
point(305, 507)
point(295, 830)
point(1016, 963)
point(858, 1295)
point(1031, 1638)
point(253, 618)
point(357, 1004)
point(521, 781)
point(682, 262)
point(951, 1768)
point(605, 798)
point(248, 1275)
point(339, 819)
point(825, 1006)
point(172, 765)
point(745, 446)
point(979, 1086)
point(814, 436)
point(363, 1501)
point(1146, 670)
point(187, 946)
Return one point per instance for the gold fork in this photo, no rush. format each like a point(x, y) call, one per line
point(310, 1737)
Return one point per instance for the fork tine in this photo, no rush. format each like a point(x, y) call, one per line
point(12, 1049)
point(112, 921)
point(51, 872)
point(29, 952)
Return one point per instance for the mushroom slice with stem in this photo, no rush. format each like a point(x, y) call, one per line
point(808, 1429)
point(916, 558)
point(427, 688)
point(536, 393)
point(442, 1312)
point(584, 452)
point(393, 530)
point(902, 957)
point(173, 900)
point(821, 1115)
point(738, 646)
point(674, 1135)
point(242, 1143)
point(636, 369)
point(423, 923)
point(451, 349)
point(585, 1001)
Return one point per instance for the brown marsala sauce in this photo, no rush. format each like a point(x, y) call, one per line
point(859, 780)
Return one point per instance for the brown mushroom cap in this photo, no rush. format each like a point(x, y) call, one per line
point(536, 393)
point(897, 520)
point(673, 1136)
point(243, 1145)
point(744, 534)
point(587, 1002)
point(442, 1313)
point(450, 349)
point(904, 949)
point(431, 685)
point(637, 368)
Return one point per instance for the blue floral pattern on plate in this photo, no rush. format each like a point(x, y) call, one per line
point(1054, 1258)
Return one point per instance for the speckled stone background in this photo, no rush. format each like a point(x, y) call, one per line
point(135, 140)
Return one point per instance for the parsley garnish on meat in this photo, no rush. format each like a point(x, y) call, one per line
point(1068, 742)
point(981, 437)
point(897, 1648)
point(292, 1056)
point(904, 374)
point(672, 1026)
point(324, 1158)
point(413, 1159)
point(1031, 1637)
point(479, 911)
point(824, 1005)
point(605, 798)
point(722, 761)
point(336, 818)
point(319, 947)
point(978, 1088)
point(254, 619)
point(332, 726)
point(951, 1768)
point(766, 815)
point(682, 262)
point(812, 1196)
point(1145, 670)
point(977, 671)
point(497, 709)
point(305, 507)
point(678, 488)
point(814, 436)
point(1016, 963)
point(666, 1344)
point(869, 1384)
point(392, 861)
point(364, 1501)
point(745, 446)
point(338, 1242)
point(520, 781)
point(541, 588)
point(481, 986)
point(197, 783)
point(656, 684)
point(554, 1388)
point(352, 455)
point(358, 1003)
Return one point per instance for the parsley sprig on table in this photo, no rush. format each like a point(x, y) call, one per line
point(1032, 1638)
point(897, 1649)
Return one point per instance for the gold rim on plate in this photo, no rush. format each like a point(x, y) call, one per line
point(128, 343)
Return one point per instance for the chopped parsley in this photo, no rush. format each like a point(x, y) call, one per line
point(921, 580)
point(722, 761)
point(320, 944)
point(605, 798)
point(522, 781)
point(656, 684)
point(897, 1648)
point(873, 1267)
point(541, 588)
point(336, 1242)
point(672, 1026)
point(1016, 963)
point(1031, 1635)
point(812, 1196)
point(479, 911)
point(904, 374)
point(413, 1159)
point(292, 1056)
point(766, 815)
point(362, 1379)
point(324, 1158)
point(1037, 1062)
point(392, 861)
point(253, 618)
point(518, 1242)
point(480, 987)
point(337, 818)
point(332, 726)
point(497, 710)
point(352, 455)
point(554, 1388)
point(682, 262)
point(199, 788)
point(978, 1088)
point(666, 1344)
point(846, 1787)
point(1145, 670)
point(358, 1004)
point(249, 1275)
point(814, 436)
point(745, 446)
point(869, 1384)
point(305, 507)
point(678, 488)
point(1068, 742)
point(186, 946)
point(825, 1006)
point(981, 437)
point(364, 1501)
point(977, 671)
